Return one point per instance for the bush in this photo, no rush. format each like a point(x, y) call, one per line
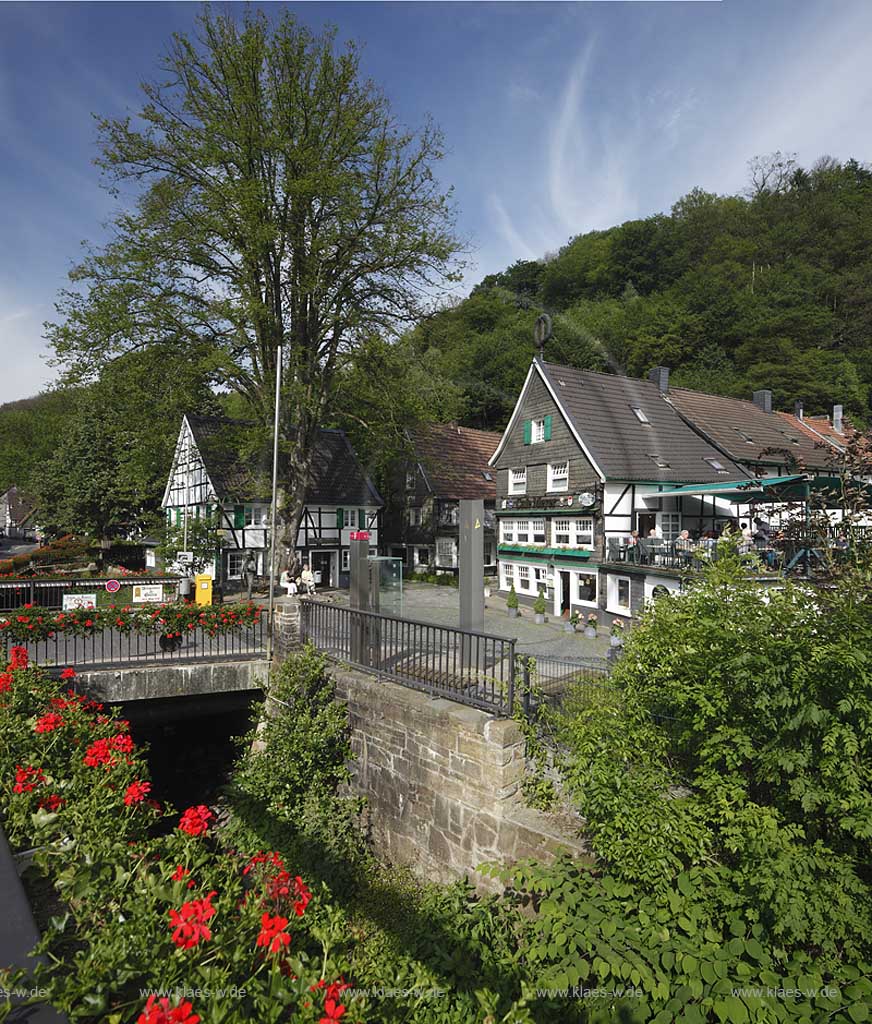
point(539, 605)
point(512, 599)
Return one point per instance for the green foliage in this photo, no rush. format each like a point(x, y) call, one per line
point(200, 537)
point(734, 293)
point(512, 598)
point(539, 605)
point(29, 430)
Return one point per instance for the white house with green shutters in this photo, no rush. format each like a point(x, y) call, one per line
point(207, 476)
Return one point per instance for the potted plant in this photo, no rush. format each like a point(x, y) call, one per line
point(539, 608)
point(571, 623)
point(590, 628)
point(487, 587)
point(618, 626)
point(512, 603)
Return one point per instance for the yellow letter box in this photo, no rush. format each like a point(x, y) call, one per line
point(203, 583)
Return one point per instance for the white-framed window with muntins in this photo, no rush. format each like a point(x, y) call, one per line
point(523, 577)
point(584, 532)
point(522, 531)
point(538, 431)
point(558, 476)
point(670, 524)
point(518, 481)
point(560, 532)
point(507, 531)
point(537, 529)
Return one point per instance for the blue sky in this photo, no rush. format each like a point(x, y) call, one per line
point(559, 118)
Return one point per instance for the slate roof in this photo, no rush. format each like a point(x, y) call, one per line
point(19, 507)
point(454, 460)
point(337, 476)
point(745, 432)
point(600, 406)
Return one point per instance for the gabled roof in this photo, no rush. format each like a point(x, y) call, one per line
point(744, 431)
point(20, 506)
point(660, 446)
point(337, 476)
point(821, 429)
point(455, 460)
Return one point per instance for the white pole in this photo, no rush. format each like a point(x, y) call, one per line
point(272, 517)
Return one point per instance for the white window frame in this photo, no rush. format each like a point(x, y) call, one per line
point(669, 524)
point(416, 516)
point(540, 535)
point(588, 603)
point(558, 482)
point(441, 544)
point(507, 575)
point(522, 531)
point(411, 478)
point(524, 579)
point(568, 533)
point(613, 605)
point(418, 559)
point(588, 531)
point(507, 531)
point(518, 480)
point(537, 431)
point(540, 579)
point(346, 560)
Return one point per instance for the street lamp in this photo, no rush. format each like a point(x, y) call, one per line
point(272, 524)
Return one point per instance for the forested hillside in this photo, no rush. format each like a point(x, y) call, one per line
point(770, 289)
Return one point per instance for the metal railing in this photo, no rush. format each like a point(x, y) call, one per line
point(545, 680)
point(468, 667)
point(109, 648)
point(50, 593)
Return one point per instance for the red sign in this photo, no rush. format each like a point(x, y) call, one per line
point(113, 586)
point(360, 534)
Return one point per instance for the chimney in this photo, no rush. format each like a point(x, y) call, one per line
point(660, 376)
point(763, 399)
point(837, 419)
point(797, 409)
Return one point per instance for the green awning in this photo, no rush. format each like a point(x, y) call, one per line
point(771, 488)
point(580, 553)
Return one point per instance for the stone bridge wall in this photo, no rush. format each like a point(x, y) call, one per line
point(442, 780)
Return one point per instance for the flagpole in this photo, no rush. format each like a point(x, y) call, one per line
point(272, 524)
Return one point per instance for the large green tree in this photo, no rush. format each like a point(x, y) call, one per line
point(279, 204)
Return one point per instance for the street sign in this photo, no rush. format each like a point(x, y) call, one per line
point(148, 592)
point(184, 557)
point(73, 601)
point(112, 586)
point(360, 534)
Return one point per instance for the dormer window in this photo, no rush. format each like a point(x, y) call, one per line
point(640, 414)
point(410, 479)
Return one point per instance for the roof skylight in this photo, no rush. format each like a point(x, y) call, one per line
point(640, 414)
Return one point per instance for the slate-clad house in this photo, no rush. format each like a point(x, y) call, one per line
point(16, 514)
point(450, 463)
point(206, 476)
point(589, 457)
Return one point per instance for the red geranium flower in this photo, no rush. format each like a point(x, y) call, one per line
point(180, 873)
point(49, 722)
point(158, 1011)
point(100, 753)
point(68, 673)
point(333, 1011)
point(122, 742)
point(51, 803)
point(5, 681)
point(136, 792)
point(18, 658)
point(273, 934)
point(26, 779)
point(195, 820)
point(189, 923)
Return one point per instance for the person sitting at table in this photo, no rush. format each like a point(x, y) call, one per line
point(655, 533)
point(683, 543)
point(747, 537)
point(634, 551)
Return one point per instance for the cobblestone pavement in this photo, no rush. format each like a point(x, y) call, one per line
point(441, 605)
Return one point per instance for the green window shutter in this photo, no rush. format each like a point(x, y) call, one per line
point(196, 511)
point(340, 519)
point(547, 428)
point(361, 519)
point(238, 517)
point(528, 431)
point(169, 517)
point(178, 517)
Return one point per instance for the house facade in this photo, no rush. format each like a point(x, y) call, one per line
point(206, 477)
point(588, 458)
point(16, 514)
point(449, 464)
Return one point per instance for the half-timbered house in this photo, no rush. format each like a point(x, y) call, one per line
point(208, 476)
point(599, 474)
